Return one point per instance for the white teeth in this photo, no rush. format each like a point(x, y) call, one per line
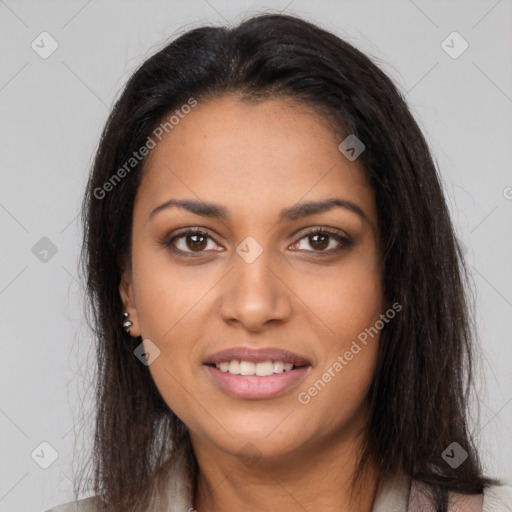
point(278, 367)
point(247, 368)
point(224, 366)
point(262, 369)
point(234, 367)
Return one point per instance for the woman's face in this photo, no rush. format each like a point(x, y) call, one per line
point(258, 279)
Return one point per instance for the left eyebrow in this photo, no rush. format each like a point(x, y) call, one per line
point(292, 213)
point(302, 210)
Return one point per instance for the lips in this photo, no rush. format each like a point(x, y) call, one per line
point(256, 374)
point(257, 388)
point(256, 356)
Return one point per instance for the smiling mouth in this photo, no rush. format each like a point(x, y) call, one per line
point(259, 369)
point(256, 381)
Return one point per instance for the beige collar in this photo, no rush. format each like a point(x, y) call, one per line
point(395, 494)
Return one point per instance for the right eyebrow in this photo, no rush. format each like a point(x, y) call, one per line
point(197, 207)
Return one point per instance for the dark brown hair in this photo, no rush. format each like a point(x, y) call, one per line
point(418, 398)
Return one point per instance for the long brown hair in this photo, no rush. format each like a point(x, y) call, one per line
point(419, 394)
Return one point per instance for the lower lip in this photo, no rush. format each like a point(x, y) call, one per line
point(252, 387)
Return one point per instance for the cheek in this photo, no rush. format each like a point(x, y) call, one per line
point(347, 299)
point(337, 388)
point(169, 300)
point(349, 305)
point(338, 395)
point(167, 295)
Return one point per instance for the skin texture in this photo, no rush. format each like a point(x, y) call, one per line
point(254, 160)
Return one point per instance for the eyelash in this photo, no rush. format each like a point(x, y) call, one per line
point(344, 241)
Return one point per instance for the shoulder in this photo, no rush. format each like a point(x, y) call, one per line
point(497, 498)
point(85, 505)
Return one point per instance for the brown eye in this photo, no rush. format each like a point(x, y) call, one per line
point(190, 241)
point(320, 239)
point(197, 242)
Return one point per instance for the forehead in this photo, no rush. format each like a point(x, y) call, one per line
point(252, 157)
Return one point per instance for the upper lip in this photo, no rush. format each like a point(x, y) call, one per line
point(256, 356)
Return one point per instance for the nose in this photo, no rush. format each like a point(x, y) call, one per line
point(255, 294)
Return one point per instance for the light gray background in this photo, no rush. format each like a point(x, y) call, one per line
point(52, 112)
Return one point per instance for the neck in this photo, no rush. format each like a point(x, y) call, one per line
point(313, 477)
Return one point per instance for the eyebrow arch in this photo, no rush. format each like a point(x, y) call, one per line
point(292, 213)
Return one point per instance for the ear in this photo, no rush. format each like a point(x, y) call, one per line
point(128, 300)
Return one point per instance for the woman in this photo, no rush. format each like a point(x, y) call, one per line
point(278, 294)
